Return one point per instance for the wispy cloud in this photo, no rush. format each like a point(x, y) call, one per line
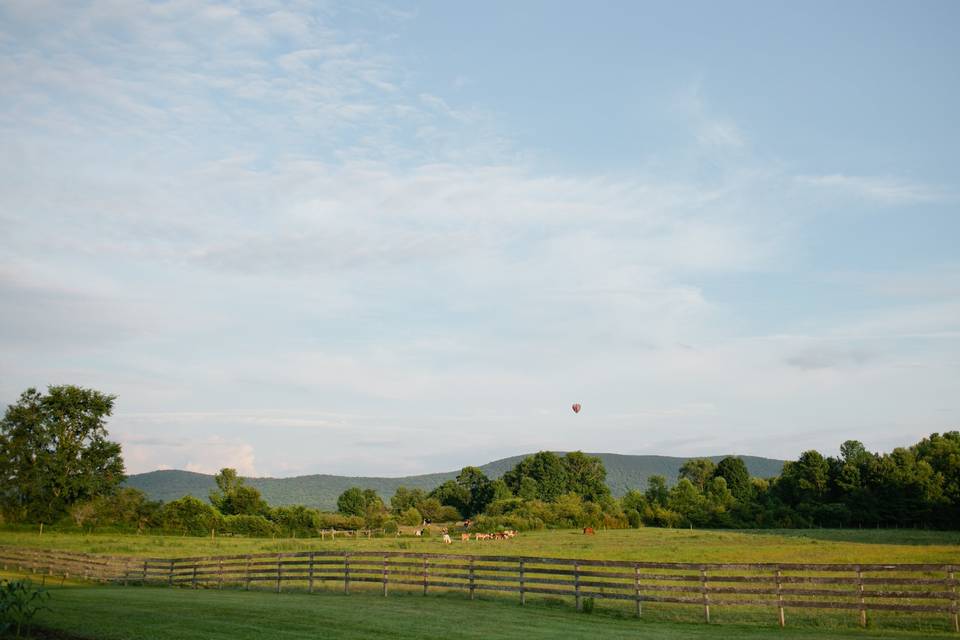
point(269, 235)
point(881, 189)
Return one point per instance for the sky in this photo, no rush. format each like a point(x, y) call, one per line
point(370, 238)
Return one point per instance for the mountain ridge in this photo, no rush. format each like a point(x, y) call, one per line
point(624, 472)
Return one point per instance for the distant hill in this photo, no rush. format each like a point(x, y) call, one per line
point(624, 472)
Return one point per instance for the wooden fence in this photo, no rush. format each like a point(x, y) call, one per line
point(926, 588)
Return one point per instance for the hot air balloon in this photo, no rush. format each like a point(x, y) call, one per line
point(576, 407)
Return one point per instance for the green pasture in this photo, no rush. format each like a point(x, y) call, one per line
point(105, 612)
point(650, 544)
point(114, 612)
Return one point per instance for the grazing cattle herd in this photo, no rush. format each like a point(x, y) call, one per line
point(506, 534)
point(496, 535)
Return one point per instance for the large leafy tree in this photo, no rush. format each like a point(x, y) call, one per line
point(452, 494)
point(698, 471)
point(734, 471)
point(545, 469)
point(480, 488)
point(54, 452)
point(586, 476)
point(404, 499)
point(656, 493)
point(469, 493)
point(234, 498)
point(359, 502)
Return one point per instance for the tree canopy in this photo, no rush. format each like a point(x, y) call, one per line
point(234, 498)
point(54, 452)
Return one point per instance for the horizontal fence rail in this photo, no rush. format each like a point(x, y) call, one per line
point(860, 588)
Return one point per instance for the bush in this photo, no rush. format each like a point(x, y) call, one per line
point(489, 524)
point(430, 509)
point(390, 527)
point(20, 601)
point(411, 517)
point(252, 526)
point(296, 520)
point(339, 521)
point(190, 515)
point(633, 517)
point(447, 514)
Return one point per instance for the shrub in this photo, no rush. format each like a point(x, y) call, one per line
point(296, 520)
point(20, 601)
point(339, 521)
point(430, 509)
point(253, 526)
point(489, 524)
point(190, 515)
point(447, 513)
point(390, 527)
point(633, 517)
point(411, 517)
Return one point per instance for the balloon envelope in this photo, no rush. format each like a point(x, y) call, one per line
point(576, 407)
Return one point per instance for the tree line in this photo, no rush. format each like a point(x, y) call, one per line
point(57, 466)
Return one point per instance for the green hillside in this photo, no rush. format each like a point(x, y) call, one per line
point(623, 472)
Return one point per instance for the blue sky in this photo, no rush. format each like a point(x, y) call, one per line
point(380, 239)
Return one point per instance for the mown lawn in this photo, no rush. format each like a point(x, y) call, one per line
point(651, 544)
point(114, 613)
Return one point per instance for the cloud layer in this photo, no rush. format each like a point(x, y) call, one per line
point(283, 254)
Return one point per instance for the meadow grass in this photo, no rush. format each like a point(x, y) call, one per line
point(643, 545)
point(114, 613)
point(179, 613)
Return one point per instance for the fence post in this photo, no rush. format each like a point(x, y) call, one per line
point(246, 575)
point(636, 581)
point(576, 584)
point(706, 598)
point(310, 574)
point(472, 577)
point(953, 589)
point(346, 572)
point(144, 572)
point(783, 621)
point(194, 580)
point(523, 593)
point(169, 579)
point(863, 606)
point(425, 574)
point(279, 569)
point(384, 576)
point(220, 575)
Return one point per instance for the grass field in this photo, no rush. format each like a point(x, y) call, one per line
point(149, 612)
point(114, 613)
point(644, 545)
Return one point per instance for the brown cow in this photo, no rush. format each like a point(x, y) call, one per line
point(588, 531)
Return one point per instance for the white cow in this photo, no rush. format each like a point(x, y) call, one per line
point(446, 539)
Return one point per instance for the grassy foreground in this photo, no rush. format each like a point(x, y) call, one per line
point(651, 544)
point(114, 613)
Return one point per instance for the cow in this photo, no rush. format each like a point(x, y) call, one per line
point(588, 531)
point(418, 532)
point(464, 537)
point(446, 539)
